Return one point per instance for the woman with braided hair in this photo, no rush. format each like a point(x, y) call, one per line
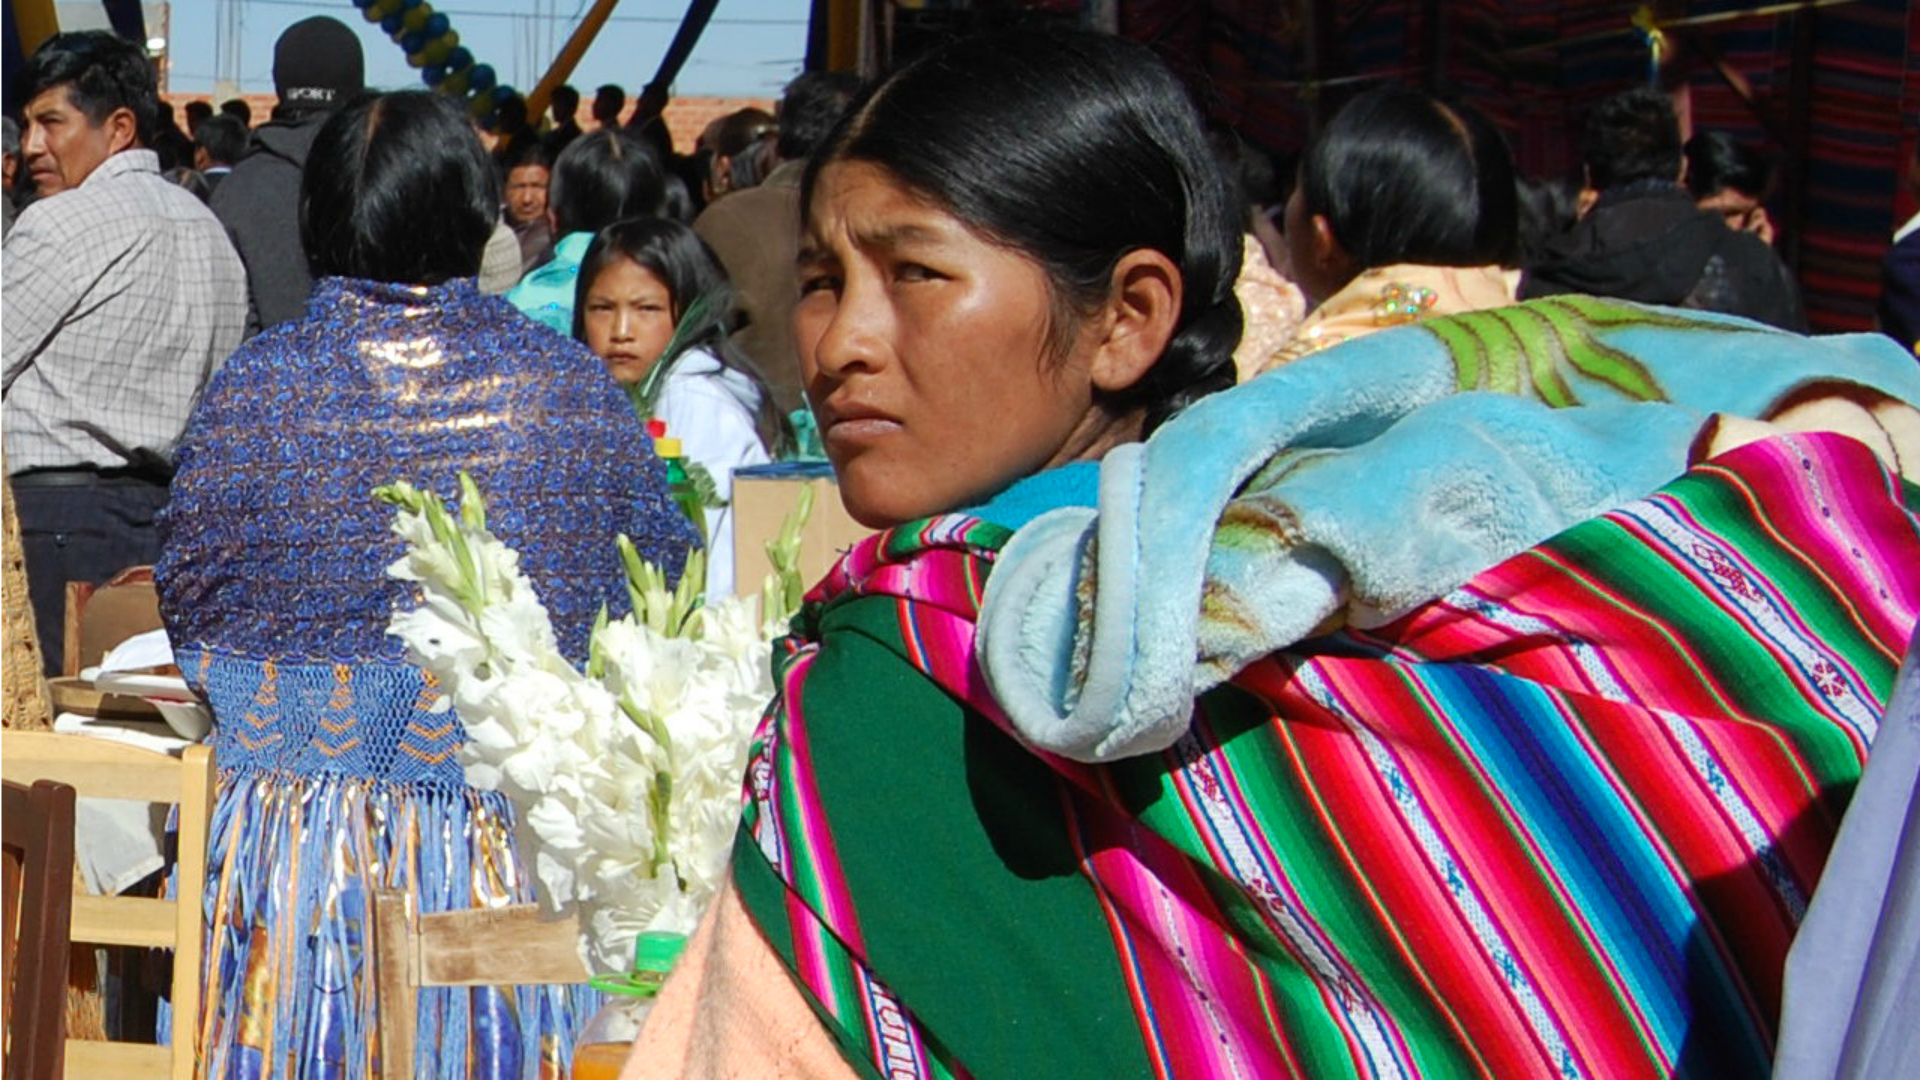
point(1017, 255)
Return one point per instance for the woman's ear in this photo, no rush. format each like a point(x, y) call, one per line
point(1141, 312)
point(1331, 261)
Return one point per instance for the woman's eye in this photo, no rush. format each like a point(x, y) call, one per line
point(817, 282)
point(914, 272)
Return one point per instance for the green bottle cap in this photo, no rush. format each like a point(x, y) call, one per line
point(654, 953)
point(656, 950)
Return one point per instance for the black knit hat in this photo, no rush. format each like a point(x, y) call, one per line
point(317, 64)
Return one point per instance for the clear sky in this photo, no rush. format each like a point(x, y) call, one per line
point(750, 48)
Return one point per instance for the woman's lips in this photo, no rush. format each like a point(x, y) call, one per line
point(860, 431)
point(852, 426)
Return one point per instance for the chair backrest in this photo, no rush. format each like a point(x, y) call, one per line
point(102, 616)
point(38, 826)
point(98, 767)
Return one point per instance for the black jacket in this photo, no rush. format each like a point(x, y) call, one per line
point(1900, 292)
point(1648, 242)
point(259, 203)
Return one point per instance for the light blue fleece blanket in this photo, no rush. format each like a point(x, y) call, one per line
point(1360, 482)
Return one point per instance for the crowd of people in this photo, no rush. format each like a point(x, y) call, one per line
point(1382, 616)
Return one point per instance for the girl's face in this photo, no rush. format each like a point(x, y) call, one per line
point(629, 318)
point(925, 352)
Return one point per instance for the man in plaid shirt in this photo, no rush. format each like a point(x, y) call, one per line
point(122, 294)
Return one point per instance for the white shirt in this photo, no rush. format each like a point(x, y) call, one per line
point(122, 296)
point(710, 410)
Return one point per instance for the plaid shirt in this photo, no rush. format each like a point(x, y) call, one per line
point(121, 297)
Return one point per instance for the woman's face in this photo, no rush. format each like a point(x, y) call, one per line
point(925, 351)
point(629, 318)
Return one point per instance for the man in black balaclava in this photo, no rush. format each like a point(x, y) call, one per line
point(317, 66)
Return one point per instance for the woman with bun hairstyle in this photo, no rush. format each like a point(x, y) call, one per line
point(1017, 255)
point(339, 769)
point(1406, 209)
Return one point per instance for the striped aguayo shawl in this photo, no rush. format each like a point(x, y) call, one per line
point(1562, 821)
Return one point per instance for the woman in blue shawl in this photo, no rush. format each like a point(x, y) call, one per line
point(338, 773)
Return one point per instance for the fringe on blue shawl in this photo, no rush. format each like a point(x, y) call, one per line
point(304, 854)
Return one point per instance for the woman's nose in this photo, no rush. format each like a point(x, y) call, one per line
point(623, 321)
point(854, 335)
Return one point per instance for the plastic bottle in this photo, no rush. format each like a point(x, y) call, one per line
point(680, 486)
point(629, 999)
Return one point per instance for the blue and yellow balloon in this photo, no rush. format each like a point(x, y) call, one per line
point(433, 45)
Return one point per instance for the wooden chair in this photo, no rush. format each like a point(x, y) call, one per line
point(102, 616)
point(98, 767)
point(38, 823)
point(512, 945)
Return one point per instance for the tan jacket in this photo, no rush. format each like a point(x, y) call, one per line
point(756, 233)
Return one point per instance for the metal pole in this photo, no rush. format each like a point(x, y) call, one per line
point(36, 22)
point(569, 58)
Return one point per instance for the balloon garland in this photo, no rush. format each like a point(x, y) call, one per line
point(433, 46)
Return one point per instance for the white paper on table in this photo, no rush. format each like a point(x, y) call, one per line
point(145, 734)
point(139, 652)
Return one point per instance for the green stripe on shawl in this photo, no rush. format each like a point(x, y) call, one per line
point(1743, 669)
point(905, 772)
point(762, 892)
point(1316, 864)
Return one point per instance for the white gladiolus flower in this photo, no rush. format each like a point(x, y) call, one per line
point(627, 785)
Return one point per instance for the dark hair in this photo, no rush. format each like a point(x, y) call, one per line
point(745, 139)
point(682, 261)
point(809, 107)
point(223, 138)
point(750, 166)
point(607, 103)
point(602, 177)
point(509, 114)
point(1073, 149)
point(523, 152)
point(736, 131)
point(1402, 177)
point(1631, 136)
point(565, 100)
point(398, 188)
point(198, 112)
point(239, 110)
point(102, 73)
point(676, 198)
point(686, 175)
point(1717, 161)
point(1547, 209)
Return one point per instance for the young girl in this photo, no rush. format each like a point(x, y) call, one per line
point(638, 281)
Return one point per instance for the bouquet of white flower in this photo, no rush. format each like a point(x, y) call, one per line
point(626, 776)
